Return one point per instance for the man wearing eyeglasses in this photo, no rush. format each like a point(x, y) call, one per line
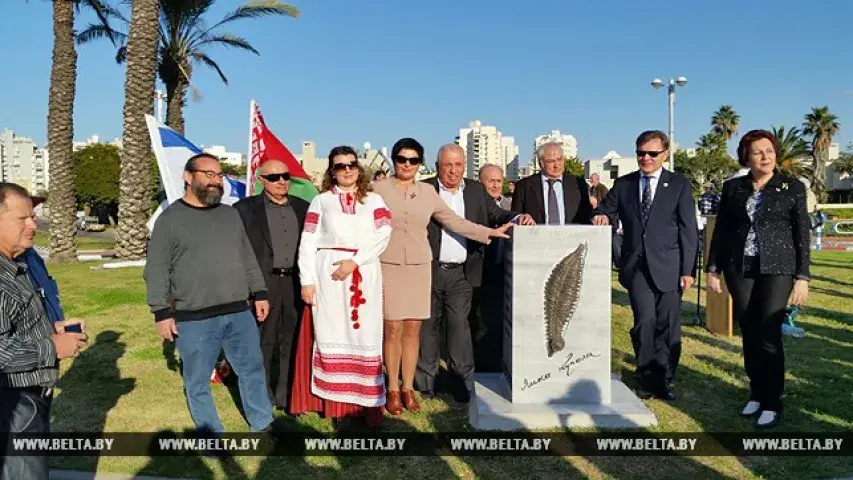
point(660, 239)
point(273, 221)
point(200, 259)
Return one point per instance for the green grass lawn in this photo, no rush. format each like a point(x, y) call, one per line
point(126, 380)
point(83, 243)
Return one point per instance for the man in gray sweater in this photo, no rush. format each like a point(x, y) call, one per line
point(202, 276)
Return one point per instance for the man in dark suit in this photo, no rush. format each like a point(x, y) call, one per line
point(273, 222)
point(660, 239)
point(553, 197)
point(457, 270)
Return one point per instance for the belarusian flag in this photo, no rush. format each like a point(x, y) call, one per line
point(263, 146)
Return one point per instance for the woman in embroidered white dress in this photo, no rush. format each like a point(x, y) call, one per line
point(346, 229)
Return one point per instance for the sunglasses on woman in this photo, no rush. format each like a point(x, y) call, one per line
point(340, 167)
point(411, 161)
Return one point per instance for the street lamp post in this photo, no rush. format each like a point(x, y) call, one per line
point(680, 82)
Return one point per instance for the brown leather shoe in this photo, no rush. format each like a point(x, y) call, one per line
point(392, 403)
point(410, 402)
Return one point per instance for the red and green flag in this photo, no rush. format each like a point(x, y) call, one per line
point(264, 146)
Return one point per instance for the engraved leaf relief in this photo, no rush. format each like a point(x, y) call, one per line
point(562, 294)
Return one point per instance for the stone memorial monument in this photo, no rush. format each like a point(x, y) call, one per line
point(557, 338)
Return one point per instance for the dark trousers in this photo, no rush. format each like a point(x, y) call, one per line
point(759, 303)
point(24, 410)
point(487, 321)
point(279, 333)
point(656, 334)
point(451, 304)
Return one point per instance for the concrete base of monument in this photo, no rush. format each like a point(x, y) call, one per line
point(490, 409)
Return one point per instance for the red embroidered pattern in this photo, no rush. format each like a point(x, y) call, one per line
point(311, 221)
point(381, 217)
point(347, 201)
point(357, 298)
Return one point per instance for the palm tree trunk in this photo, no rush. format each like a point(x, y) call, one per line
point(60, 135)
point(136, 157)
point(176, 94)
point(819, 187)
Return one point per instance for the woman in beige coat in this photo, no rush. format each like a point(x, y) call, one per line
point(407, 265)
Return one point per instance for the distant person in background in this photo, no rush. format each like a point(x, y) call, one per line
point(553, 197)
point(709, 202)
point(761, 244)
point(596, 189)
point(380, 175)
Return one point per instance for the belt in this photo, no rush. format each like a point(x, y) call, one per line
point(449, 266)
point(42, 392)
point(283, 271)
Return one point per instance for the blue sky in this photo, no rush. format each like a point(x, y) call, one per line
point(347, 72)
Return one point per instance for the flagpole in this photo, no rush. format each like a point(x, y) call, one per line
point(250, 181)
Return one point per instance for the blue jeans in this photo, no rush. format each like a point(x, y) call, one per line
point(199, 343)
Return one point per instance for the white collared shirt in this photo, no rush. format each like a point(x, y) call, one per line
point(654, 183)
point(558, 191)
point(454, 247)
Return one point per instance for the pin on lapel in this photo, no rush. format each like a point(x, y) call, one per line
point(665, 185)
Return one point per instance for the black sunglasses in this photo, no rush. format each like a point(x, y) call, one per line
point(411, 161)
point(339, 167)
point(274, 177)
point(651, 153)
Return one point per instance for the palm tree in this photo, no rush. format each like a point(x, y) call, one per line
point(821, 126)
point(791, 150)
point(725, 122)
point(711, 141)
point(139, 84)
point(60, 125)
point(184, 42)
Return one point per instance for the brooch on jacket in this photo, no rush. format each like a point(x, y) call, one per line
point(784, 186)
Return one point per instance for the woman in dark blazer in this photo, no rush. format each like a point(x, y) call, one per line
point(761, 246)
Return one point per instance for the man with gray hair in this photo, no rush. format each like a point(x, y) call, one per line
point(30, 345)
point(457, 271)
point(553, 197)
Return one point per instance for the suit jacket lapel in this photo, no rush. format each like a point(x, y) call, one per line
point(571, 196)
point(539, 194)
point(261, 216)
point(634, 194)
point(468, 195)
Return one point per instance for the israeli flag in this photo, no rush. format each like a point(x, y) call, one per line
point(172, 151)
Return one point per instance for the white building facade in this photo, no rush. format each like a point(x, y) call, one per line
point(484, 144)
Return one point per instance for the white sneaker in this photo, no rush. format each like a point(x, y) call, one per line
point(767, 419)
point(750, 409)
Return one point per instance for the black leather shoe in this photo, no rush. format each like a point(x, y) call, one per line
point(667, 394)
point(427, 394)
point(462, 395)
